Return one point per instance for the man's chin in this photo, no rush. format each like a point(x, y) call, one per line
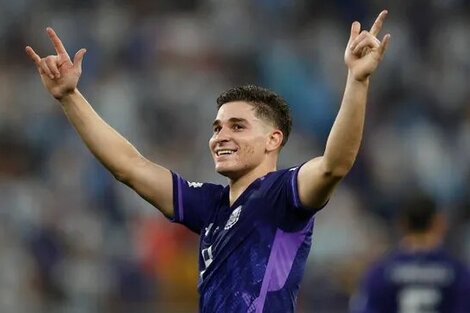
point(228, 172)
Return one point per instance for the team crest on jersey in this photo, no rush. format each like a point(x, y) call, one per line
point(233, 219)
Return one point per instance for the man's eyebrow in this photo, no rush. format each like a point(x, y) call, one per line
point(237, 120)
point(231, 120)
point(215, 123)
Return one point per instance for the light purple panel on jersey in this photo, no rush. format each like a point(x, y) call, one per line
point(285, 248)
point(280, 262)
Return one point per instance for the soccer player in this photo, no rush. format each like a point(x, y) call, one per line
point(255, 233)
point(419, 276)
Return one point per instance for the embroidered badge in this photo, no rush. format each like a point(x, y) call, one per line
point(233, 219)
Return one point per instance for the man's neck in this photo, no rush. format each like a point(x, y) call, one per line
point(239, 185)
point(420, 242)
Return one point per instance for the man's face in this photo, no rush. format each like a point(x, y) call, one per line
point(238, 142)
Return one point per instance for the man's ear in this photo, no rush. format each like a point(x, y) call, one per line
point(274, 140)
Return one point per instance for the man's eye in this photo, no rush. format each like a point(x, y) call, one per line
point(216, 129)
point(237, 127)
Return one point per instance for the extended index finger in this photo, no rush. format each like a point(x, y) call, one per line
point(59, 47)
point(375, 29)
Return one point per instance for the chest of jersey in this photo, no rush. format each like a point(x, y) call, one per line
point(253, 252)
point(234, 231)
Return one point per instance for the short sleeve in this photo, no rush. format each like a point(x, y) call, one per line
point(293, 193)
point(281, 192)
point(194, 202)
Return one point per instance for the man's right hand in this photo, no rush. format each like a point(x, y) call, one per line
point(58, 74)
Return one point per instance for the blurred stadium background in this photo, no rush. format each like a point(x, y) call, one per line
point(74, 240)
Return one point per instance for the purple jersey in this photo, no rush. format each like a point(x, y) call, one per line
point(415, 282)
point(252, 253)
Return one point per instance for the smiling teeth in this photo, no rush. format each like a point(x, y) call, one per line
point(224, 152)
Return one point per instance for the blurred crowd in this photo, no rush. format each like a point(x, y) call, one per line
point(72, 239)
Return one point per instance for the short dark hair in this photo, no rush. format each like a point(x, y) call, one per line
point(267, 104)
point(418, 213)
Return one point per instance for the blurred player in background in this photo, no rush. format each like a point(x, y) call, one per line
point(419, 276)
point(255, 232)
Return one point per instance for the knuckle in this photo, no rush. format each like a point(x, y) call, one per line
point(43, 65)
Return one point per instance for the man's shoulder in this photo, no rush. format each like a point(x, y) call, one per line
point(203, 185)
point(380, 265)
point(197, 188)
point(211, 190)
point(280, 174)
point(400, 262)
point(195, 184)
point(275, 180)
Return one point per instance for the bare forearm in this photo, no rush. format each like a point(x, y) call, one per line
point(318, 177)
point(346, 134)
point(108, 146)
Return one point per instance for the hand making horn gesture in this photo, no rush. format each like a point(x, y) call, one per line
point(364, 51)
point(58, 74)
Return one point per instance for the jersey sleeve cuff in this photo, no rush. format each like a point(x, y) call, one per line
point(295, 193)
point(178, 209)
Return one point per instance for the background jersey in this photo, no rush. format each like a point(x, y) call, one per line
point(415, 282)
point(253, 253)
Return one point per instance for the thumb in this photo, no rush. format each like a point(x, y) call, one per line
point(78, 58)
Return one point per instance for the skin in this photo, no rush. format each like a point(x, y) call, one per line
point(257, 145)
point(428, 239)
point(255, 142)
point(318, 177)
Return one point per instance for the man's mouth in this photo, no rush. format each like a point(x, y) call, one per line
point(222, 152)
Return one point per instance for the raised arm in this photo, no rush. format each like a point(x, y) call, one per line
point(60, 77)
point(318, 177)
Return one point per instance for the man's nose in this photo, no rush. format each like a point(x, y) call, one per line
point(223, 134)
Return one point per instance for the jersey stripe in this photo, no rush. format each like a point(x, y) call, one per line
point(180, 200)
point(285, 247)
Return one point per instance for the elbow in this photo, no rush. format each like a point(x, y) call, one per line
point(121, 176)
point(336, 174)
point(126, 172)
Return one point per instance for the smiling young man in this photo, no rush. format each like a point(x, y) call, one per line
point(255, 233)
